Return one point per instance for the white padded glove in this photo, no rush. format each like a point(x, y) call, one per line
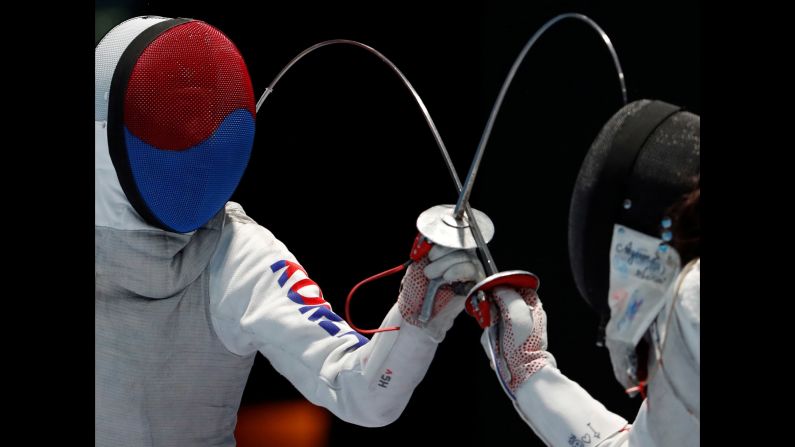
point(449, 270)
point(521, 342)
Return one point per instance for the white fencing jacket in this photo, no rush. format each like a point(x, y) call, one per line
point(179, 318)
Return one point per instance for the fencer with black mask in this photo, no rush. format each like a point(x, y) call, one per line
point(625, 229)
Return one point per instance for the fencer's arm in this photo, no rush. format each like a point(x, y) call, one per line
point(562, 413)
point(256, 292)
point(558, 410)
point(555, 406)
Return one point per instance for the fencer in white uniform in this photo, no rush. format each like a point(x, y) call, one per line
point(637, 265)
point(188, 288)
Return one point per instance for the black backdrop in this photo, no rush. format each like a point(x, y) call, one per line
point(344, 163)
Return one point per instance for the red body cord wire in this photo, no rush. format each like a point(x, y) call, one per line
point(391, 271)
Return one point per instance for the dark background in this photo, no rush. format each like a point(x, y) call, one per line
point(344, 163)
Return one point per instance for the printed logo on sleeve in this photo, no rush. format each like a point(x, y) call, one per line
point(386, 377)
point(306, 292)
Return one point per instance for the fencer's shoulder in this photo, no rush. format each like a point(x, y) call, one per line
point(243, 232)
point(235, 214)
point(237, 220)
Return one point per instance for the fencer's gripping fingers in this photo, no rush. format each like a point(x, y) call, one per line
point(511, 303)
point(465, 271)
point(427, 302)
point(438, 251)
point(440, 266)
point(462, 288)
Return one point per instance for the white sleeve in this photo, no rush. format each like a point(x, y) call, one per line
point(262, 300)
point(562, 413)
